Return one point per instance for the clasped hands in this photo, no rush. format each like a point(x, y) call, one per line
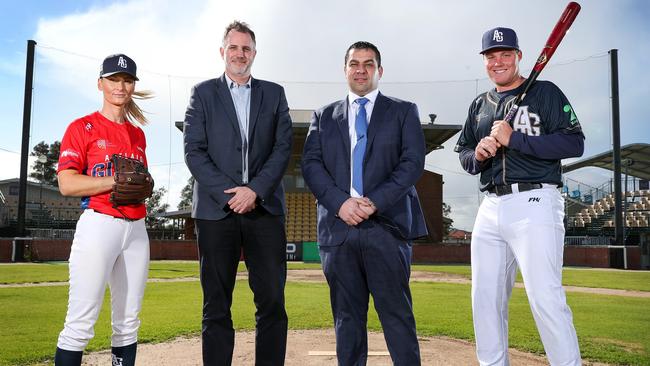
point(355, 210)
point(243, 199)
point(499, 136)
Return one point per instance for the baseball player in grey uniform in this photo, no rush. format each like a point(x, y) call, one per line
point(520, 221)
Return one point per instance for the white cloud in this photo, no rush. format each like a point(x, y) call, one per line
point(10, 164)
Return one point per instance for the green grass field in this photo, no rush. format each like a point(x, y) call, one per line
point(611, 329)
point(58, 272)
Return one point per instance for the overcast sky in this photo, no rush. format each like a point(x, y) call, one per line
point(429, 53)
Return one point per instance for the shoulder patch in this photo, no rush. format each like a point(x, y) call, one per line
point(568, 109)
point(69, 152)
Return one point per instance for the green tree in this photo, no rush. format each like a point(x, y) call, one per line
point(186, 195)
point(47, 157)
point(155, 206)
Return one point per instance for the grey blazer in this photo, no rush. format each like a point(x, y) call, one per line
point(212, 145)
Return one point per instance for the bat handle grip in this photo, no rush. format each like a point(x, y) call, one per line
point(511, 114)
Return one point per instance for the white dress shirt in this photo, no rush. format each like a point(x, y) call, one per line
point(241, 97)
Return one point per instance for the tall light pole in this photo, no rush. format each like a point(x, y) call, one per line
point(41, 159)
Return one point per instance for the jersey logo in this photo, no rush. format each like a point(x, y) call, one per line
point(102, 169)
point(534, 199)
point(497, 36)
point(480, 116)
point(69, 152)
point(121, 62)
point(89, 126)
point(101, 144)
point(574, 119)
point(527, 122)
point(116, 361)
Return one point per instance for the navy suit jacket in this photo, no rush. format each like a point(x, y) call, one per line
point(213, 146)
point(394, 161)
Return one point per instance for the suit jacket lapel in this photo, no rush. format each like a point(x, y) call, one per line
point(340, 116)
point(224, 96)
point(377, 118)
point(256, 104)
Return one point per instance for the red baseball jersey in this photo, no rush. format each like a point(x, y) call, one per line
point(87, 147)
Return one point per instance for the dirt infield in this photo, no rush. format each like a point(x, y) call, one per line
point(308, 348)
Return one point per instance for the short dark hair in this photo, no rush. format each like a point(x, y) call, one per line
point(363, 45)
point(238, 26)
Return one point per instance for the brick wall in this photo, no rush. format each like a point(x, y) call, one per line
point(582, 256)
point(588, 256)
point(5, 250)
point(438, 253)
point(50, 249)
point(178, 249)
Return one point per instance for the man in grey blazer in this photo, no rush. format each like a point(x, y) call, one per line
point(237, 138)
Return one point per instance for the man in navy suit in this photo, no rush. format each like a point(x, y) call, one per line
point(237, 137)
point(361, 160)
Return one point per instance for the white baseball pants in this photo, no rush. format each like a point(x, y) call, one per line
point(109, 250)
point(521, 229)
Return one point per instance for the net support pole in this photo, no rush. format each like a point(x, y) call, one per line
point(24, 150)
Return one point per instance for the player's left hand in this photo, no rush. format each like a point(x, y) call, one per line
point(366, 205)
point(243, 200)
point(501, 131)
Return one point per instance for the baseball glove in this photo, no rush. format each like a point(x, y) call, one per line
point(133, 183)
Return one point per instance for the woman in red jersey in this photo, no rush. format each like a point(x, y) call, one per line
point(110, 245)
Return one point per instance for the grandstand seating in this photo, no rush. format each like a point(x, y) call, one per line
point(600, 214)
point(301, 217)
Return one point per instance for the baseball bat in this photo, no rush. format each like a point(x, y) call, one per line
point(568, 16)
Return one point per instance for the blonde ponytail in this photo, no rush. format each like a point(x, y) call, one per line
point(133, 111)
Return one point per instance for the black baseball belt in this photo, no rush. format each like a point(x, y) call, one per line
point(502, 190)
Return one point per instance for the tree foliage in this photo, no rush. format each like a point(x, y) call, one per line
point(47, 158)
point(155, 206)
point(186, 195)
point(446, 224)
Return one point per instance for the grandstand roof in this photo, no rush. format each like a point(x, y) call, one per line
point(635, 161)
point(434, 134)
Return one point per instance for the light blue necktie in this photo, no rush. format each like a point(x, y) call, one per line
point(361, 126)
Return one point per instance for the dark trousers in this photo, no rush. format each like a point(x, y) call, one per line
point(371, 261)
point(262, 238)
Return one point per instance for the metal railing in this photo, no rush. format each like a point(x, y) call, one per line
point(51, 233)
point(588, 240)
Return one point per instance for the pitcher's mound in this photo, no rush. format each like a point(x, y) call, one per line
point(306, 348)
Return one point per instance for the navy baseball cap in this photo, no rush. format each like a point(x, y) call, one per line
point(115, 64)
point(500, 37)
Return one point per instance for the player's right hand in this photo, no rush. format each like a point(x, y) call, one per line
point(351, 213)
point(486, 148)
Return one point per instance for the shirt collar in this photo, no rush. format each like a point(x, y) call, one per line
point(232, 84)
point(372, 96)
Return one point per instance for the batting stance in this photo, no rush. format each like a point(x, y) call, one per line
point(520, 221)
point(110, 243)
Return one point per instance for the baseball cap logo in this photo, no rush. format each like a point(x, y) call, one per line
point(122, 62)
point(118, 63)
point(498, 36)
